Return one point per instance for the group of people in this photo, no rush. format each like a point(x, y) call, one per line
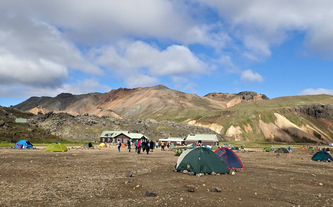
point(146, 145)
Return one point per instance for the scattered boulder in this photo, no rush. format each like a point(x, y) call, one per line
point(129, 174)
point(190, 188)
point(216, 189)
point(150, 194)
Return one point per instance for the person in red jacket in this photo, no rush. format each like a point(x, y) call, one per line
point(138, 146)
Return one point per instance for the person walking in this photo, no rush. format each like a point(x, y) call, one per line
point(136, 149)
point(129, 145)
point(118, 145)
point(162, 146)
point(143, 144)
point(138, 146)
point(151, 145)
point(148, 147)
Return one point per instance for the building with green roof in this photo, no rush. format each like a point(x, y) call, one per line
point(123, 136)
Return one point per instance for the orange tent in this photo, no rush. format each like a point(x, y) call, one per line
point(122, 145)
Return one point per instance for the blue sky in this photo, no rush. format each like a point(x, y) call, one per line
point(278, 48)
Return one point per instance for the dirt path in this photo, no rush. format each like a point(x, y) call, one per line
point(99, 177)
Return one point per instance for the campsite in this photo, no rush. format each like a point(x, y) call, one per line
point(102, 176)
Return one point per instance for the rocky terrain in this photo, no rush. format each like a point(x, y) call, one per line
point(84, 127)
point(105, 177)
point(11, 131)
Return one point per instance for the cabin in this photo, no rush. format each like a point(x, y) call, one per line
point(123, 136)
point(205, 139)
point(177, 141)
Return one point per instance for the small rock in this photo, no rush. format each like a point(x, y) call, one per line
point(216, 189)
point(191, 173)
point(255, 193)
point(319, 195)
point(213, 173)
point(185, 171)
point(190, 188)
point(321, 184)
point(150, 194)
point(233, 173)
point(181, 199)
point(239, 199)
point(313, 175)
point(129, 181)
point(129, 174)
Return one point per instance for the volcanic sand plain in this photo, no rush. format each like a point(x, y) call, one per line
point(106, 177)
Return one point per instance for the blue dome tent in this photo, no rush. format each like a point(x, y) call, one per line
point(23, 144)
point(229, 157)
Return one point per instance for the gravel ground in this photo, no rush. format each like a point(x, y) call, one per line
point(105, 177)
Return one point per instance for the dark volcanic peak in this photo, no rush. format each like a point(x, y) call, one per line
point(64, 95)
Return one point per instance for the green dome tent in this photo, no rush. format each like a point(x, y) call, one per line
point(282, 150)
point(322, 156)
point(56, 147)
point(267, 149)
point(200, 160)
point(215, 147)
point(87, 145)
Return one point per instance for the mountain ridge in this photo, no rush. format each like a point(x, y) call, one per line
point(245, 116)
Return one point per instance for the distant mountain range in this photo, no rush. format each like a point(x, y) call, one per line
point(246, 116)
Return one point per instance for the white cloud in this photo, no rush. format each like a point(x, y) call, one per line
point(90, 22)
point(311, 91)
point(259, 24)
point(14, 70)
point(249, 75)
point(33, 39)
point(129, 59)
point(78, 87)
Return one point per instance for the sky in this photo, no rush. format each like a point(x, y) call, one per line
point(273, 47)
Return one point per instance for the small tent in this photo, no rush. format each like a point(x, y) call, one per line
point(215, 147)
point(282, 150)
point(200, 160)
point(267, 149)
point(322, 156)
point(234, 148)
point(56, 147)
point(122, 145)
point(87, 145)
point(23, 144)
point(102, 144)
point(229, 157)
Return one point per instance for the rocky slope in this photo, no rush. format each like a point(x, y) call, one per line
point(11, 131)
point(84, 127)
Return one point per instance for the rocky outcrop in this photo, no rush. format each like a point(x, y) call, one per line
point(319, 111)
point(250, 95)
